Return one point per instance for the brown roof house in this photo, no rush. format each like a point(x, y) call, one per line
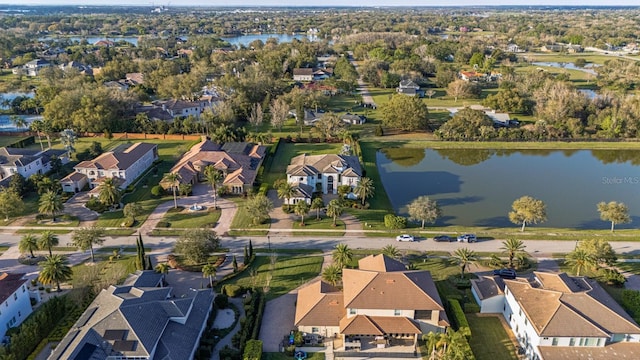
point(126, 165)
point(238, 161)
point(560, 317)
point(382, 306)
point(138, 320)
point(15, 305)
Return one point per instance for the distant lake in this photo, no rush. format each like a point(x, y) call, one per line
point(476, 187)
point(233, 40)
point(12, 95)
point(588, 68)
point(7, 125)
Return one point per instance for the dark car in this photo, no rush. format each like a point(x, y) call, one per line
point(505, 273)
point(443, 238)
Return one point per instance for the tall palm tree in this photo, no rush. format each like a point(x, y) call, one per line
point(464, 257)
point(54, 269)
point(18, 121)
point(317, 204)
point(286, 192)
point(109, 192)
point(50, 203)
point(174, 180)
point(47, 241)
point(512, 247)
point(214, 177)
point(342, 255)
point(391, 251)
point(579, 259)
point(334, 209)
point(364, 189)
point(210, 272)
point(332, 274)
point(37, 126)
point(28, 243)
point(301, 209)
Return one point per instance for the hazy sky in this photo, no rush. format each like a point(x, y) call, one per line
point(326, 2)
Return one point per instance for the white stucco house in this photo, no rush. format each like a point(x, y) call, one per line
point(15, 305)
point(324, 173)
point(557, 316)
point(27, 162)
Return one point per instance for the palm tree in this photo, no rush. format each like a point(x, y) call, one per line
point(342, 255)
point(162, 268)
point(55, 269)
point(317, 204)
point(18, 122)
point(286, 192)
point(47, 241)
point(332, 274)
point(210, 272)
point(214, 177)
point(28, 243)
point(109, 192)
point(391, 251)
point(174, 180)
point(364, 189)
point(512, 247)
point(301, 209)
point(464, 257)
point(37, 126)
point(50, 203)
point(334, 209)
point(579, 259)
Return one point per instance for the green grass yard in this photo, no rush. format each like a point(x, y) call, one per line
point(242, 220)
point(489, 339)
point(185, 219)
point(286, 151)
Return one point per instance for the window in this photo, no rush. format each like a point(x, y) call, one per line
point(396, 312)
point(19, 314)
point(15, 296)
point(352, 311)
point(520, 312)
point(554, 342)
point(581, 342)
point(526, 322)
point(23, 288)
point(572, 342)
point(315, 330)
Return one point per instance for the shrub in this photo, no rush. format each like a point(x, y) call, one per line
point(612, 277)
point(471, 308)
point(462, 283)
point(232, 290)
point(289, 350)
point(221, 301)
point(631, 302)
point(264, 188)
point(459, 320)
point(96, 205)
point(157, 191)
point(163, 224)
point(252, 350)
point(379, 131)
point(392, 221)
point(228, 353)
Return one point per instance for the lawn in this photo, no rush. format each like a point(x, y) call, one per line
point(182, 218)
point(8, 140)
point(489, 339)
point(242, 220)
point(325, 223)
point(290, 272)
point(284, 251)
point(286, 151)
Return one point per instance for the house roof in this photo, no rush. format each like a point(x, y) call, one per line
point(73, 177)
point(380, 263)
point(319, 304)
point(617, 351)
point(21, 157)
point(408, 84)
point(118, 160)
point(303, 71)
point(137, 322)
point(551, 301)
point(378, 325)
point(328, 163)
point(9, 283)
point(303, 190)
point(349, 116)
point(488, 286)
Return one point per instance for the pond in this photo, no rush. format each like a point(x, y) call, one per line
point(587, 68)
point(7, 125)
point(476, 187)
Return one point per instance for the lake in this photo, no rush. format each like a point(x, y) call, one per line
point(233, 40)
point(588, 68)
point(7, 125)
point(476, 187)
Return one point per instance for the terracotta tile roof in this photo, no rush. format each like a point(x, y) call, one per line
point(118, 160)
point(378, 325)
point(319, 304)
point(359, 325)
point(9, 283)
point(616, 351)
point(73, 177)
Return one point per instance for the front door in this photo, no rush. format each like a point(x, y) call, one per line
point(330, 185)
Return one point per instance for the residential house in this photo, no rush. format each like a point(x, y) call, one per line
point(410, 88)
point(471, 75)
point(105, 43)
point(353, 119)
point(135, 78)
point(15, 305)
point(382, 305)
point(514, 48)
point(138, 320)
point(32, 68)
point(322, 73)
point(125, 165)
point(574, 48)
point(489, 293)
point(303, 74)
point(324, 173)
point(27, 162)
point(238, 161)
point(81, 68)
point(499, 119)
point(552, 48)
point(557, 316)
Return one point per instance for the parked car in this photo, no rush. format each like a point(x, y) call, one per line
point(505, 273)
point(446, 238)
point(404, 237)
point(468, 238)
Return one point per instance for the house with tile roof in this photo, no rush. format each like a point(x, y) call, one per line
point(561, 317)
point(381, 305)
point(15, 305)
point(125, 165)
point(238, 161)
point(27, 162)
point(138, 320)
point(323, 173)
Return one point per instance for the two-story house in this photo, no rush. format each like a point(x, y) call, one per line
point(323, 173)
point(27, 162)
point(381, 305)
point(410, 88)
point(557, 316)
point(126, 165)
point(32, 68)
point(15, 305)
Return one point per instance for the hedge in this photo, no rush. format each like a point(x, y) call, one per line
point(458, 319)
point(23, 142)
point(631, 302)
point(250, 329)
point(252, 350)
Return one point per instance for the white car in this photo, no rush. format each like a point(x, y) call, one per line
point(404, 237)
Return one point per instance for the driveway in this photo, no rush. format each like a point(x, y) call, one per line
point(279, 219)
point(75, 207)
point(277, 321)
